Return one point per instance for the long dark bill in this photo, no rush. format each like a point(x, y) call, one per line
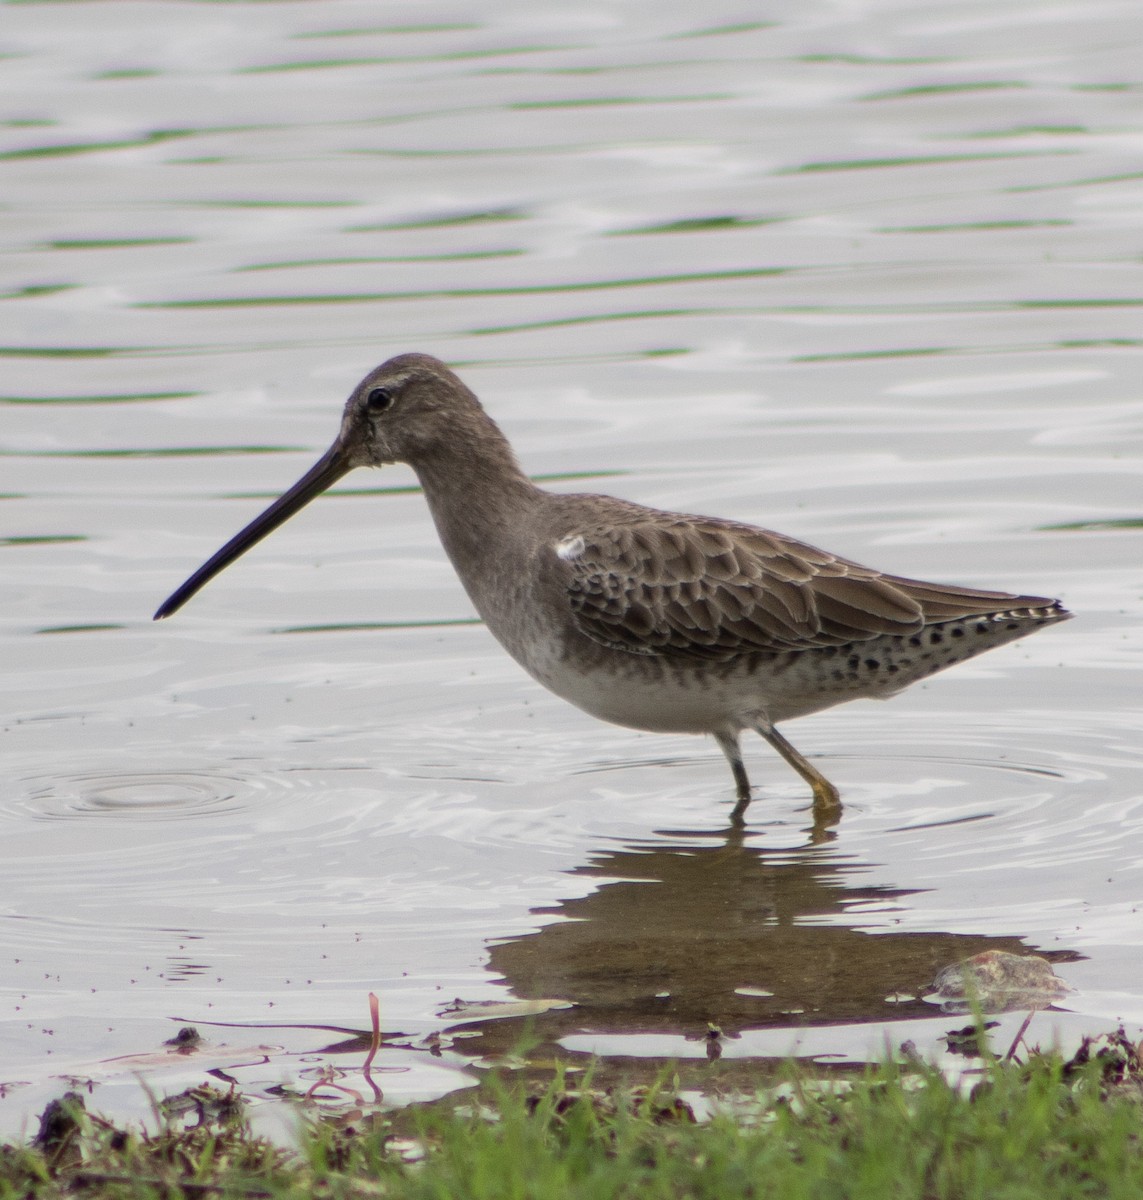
point(326, 471)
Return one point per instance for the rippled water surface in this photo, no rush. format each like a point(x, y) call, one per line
point(868, 274)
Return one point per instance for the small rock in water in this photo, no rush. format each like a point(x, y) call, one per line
point(998, 982)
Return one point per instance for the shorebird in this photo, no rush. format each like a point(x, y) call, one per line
point(650, 619)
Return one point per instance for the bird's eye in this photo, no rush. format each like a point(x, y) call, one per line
point(379, 399)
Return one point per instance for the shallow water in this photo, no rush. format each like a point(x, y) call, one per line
point(867, 275)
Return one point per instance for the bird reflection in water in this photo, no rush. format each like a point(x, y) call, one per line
point(689, 930)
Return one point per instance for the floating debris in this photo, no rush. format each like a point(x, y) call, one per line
point(968, 1039)
point(186, 1041)
point(498, 1010)
point(209, 1105)
point(1120, 1060)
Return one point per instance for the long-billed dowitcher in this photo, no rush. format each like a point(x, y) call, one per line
point(650, 619)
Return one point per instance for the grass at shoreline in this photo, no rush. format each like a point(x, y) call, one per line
point(1050, 1129)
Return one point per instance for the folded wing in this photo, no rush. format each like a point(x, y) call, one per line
point(697, 588)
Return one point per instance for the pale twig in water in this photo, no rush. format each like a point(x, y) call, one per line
point(374, 1046)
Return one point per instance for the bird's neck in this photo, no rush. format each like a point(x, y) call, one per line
point(479, 499)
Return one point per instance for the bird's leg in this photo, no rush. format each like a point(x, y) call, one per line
point(826, 796)
point(728, 744)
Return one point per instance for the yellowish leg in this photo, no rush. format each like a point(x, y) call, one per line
point(826, 796)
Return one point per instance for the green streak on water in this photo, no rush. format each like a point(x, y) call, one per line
point(72, 148)
point(614, 101)
point(286, 204)
point(42, 539)
point(722, 30)
point(381, 60)
point(1017, 131)
point(439, 222)
point(978, 226)
point(395, 258)
point(594, 285)
point(917, 160)
point(125, 398)
point(931, 351)
point(1109, 525)
point(572, 476)
point(114, 243)
point(870, 60)
point(128, 73)
point(368, 626)
point(60, 351)
point(156, 452)
point(862, 355)
point(1091, 302)
point(382, 30)
point(593, 319)
point(78, 628)
point(696, 225)
point(37, 289)
point(946, 89)
point(1091, 181)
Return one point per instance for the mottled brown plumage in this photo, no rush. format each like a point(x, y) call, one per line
point(652, 619)
point(703, 589)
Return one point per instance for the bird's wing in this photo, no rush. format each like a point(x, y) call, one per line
point(699, 588)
